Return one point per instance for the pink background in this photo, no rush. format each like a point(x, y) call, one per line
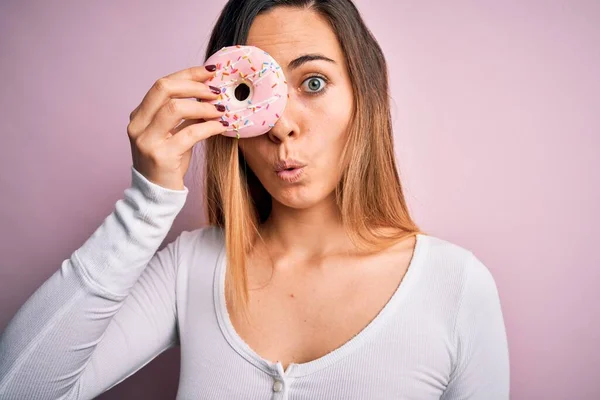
point(496, 108)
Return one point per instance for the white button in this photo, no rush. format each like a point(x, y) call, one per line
point(277, 386)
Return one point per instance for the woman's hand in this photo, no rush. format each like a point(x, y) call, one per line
point(161, 144)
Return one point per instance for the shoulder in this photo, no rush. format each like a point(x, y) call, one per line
point(445, 257)
point(455, 272)
point(207, 239)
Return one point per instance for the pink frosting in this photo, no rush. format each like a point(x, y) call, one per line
point(268, 92)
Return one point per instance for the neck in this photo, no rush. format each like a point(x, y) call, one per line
point(305, 234)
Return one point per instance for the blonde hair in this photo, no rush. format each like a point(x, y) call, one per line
point(236, 201)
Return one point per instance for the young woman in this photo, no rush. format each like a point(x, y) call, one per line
point(317, 287)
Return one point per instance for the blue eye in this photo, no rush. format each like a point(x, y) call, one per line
point(316, 85)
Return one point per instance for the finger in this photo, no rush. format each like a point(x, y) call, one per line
point(196, 73)
point(163, 90)
point(194, 133)
point(170, 115)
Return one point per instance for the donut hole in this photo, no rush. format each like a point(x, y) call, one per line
point(242, 92)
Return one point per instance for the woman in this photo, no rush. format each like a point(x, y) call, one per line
point(321, 288)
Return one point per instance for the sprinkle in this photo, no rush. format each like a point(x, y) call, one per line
point(218, 65)
point(249, 101)
point(277, 115)
point(268, 105)
point(228, 62)
point(275, 84)
point(226, 106)
point(235, 116)
point(242, 75)
point(239, 58)
point(249, 60)
point(285, 82)
point(264, 122)
point(225, 73)
point(237, 135)
point(223, 89)
point(253, 69)
point(277, 73)
point(288, 95)
point(227, 96)
point(246, 123)
point(233, 71)
point(227, 114)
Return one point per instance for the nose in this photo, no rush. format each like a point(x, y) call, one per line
point(286, 126)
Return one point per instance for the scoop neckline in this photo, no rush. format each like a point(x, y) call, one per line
point(302, 369)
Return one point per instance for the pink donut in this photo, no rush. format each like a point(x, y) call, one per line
point(253, 89)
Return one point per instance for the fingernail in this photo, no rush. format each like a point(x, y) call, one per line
point(220, 107)
point(215, 90)
point(225, 123)
point(211, 68)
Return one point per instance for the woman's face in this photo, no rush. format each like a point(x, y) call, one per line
point(312, 128)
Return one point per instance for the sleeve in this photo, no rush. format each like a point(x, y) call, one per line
point(108, 310)
point(481, 370)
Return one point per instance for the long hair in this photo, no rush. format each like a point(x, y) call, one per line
point(369, 195)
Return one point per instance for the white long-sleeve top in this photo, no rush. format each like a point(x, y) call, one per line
point(118, 302)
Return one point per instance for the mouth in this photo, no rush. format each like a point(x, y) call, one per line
point(290, 175)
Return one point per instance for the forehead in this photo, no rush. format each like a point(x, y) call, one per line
point(288, 32)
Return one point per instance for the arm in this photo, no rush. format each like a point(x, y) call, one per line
point(106, 312)
point(482, 366)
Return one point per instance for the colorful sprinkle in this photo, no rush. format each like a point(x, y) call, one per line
point(277, 115)
point(275, 84)
point(264, 122)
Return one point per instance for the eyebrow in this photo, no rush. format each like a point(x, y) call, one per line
point(306, 58)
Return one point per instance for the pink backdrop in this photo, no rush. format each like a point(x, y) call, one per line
point(496, 110)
